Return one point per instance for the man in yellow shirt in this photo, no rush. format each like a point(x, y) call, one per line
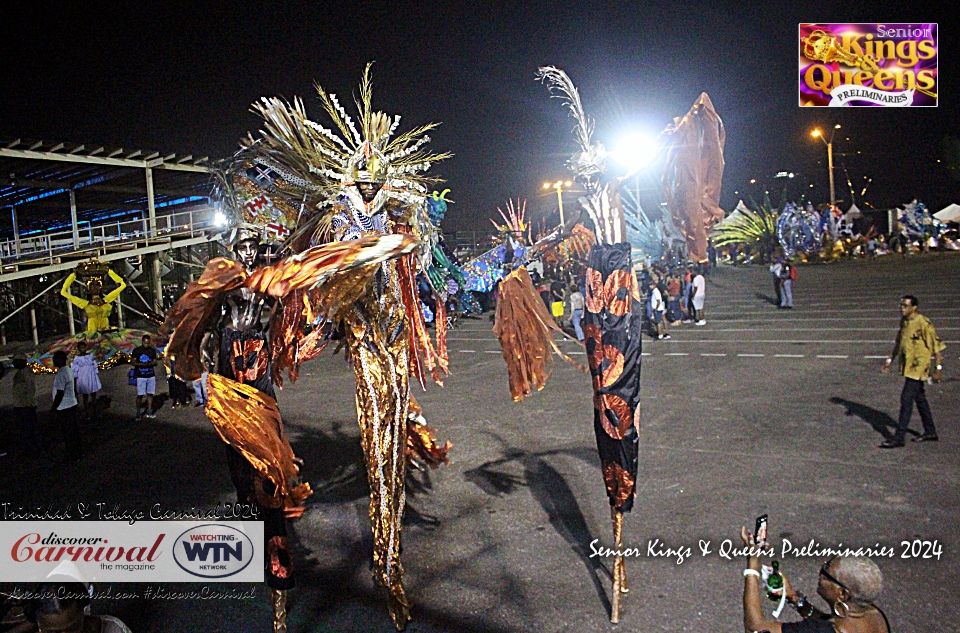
point(917, 342)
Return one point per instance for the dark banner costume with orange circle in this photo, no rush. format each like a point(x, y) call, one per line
point(612, 330)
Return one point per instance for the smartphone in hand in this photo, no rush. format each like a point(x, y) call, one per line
point(760, 530)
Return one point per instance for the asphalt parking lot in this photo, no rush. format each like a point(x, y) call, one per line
point(760, 411)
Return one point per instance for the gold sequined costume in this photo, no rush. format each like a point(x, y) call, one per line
point(360, 182)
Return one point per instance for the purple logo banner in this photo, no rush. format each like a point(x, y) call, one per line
point(868, 65)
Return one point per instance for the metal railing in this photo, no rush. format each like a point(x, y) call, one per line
point(47, 245)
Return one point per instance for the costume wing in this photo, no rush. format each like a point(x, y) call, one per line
point(525, 330)
point(249, 420)
point(319, 282)
point(311, 268)
point(186, 321)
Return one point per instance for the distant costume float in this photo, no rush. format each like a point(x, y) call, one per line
point(799, 230)
point(107, 345)
point(348, 265)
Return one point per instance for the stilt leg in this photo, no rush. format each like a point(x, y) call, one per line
point(619, 575)
point(623, 576)
point(279, 599)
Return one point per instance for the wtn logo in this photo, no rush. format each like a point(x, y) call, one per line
point(213, 551)
point(202, 550)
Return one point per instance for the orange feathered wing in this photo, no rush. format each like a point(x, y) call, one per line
point(249, 420)
point(525, 330)
point(186, 321)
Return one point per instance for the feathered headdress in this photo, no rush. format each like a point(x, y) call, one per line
point(322, 161)
point(592, 157)
point(514, 220)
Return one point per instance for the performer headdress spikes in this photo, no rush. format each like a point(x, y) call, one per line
point(325, 160)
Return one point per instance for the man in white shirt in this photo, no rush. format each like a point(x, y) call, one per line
point(699, 294)
point(775, 269)
point(576, 310)
point(65, 407)
point(25, 408)
point(657, 311)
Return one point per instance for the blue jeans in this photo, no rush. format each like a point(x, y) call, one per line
point(577, 317)
point(200, 388)
point(787, 300)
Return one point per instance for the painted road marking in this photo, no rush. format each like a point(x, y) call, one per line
point(468, 351)
point(707, 354)
point(884, 356)
point(752, 355)
point(676, 354)
point(818, 329)
point(832, 356)
point(788, 355)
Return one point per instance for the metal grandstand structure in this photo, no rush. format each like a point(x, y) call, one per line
point(67, 202)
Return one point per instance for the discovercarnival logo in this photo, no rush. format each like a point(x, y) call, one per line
point(868, 65)
point(117, 551)
point(213, 551)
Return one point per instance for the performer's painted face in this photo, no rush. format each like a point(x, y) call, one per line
point(96, 292)
point(368, 190)
point(247, 253)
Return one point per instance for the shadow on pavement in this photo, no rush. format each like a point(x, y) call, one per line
point(880, 421)
point(550, 490)
point(762, 297)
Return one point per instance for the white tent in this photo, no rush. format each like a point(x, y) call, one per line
point(950, 213)
point(853, 213)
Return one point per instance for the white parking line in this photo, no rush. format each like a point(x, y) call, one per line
point(788, 355)
point(815, 329)
point(752, 355)
point(492, 351)
point(883, 356)
point(468, 351)
point(676, 354)
point(707, 354)
point(832, 356)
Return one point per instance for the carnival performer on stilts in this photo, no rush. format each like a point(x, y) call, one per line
point(360, 193)
point(613, 311)
point(612, 326)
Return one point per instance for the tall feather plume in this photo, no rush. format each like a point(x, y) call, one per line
point(561, 87)
point(365, 104)
point(339, 116)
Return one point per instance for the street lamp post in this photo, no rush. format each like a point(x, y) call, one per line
point(829, 144)
point(559, 185)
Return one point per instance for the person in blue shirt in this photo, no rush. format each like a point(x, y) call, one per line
point(144, 361)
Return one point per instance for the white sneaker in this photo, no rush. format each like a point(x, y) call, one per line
point(701, 322)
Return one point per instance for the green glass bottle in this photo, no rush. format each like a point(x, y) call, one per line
point(775, 583)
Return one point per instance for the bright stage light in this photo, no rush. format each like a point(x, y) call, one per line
point(219, 219)
point(636, 152)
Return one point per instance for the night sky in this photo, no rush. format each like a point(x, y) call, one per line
point(181, 80)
